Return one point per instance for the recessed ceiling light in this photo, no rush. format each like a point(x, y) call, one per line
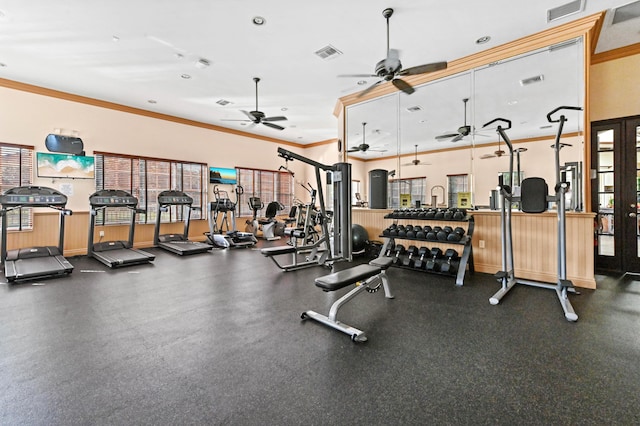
point(284, 109)
point(2, 65)
point(115, 38)
point(152, 101)
point(202, 63)
point(258, 20)
point(483, 40)
point(513, 102)
point(186, 76)
point(362, 82)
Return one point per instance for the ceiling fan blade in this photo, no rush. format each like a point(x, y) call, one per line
point(248, 114)
point(273, 126)
point(422, 69)
point(368, 89)
point(276, 118)
point(485, 156)
point(446, 136)
point(457, 138)
point(403, 85)
point(357, 75)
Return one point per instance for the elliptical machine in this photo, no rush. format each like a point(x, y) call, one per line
point(533, 198)
point(232, 237)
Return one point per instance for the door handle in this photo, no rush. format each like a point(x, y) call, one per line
point(632, 214)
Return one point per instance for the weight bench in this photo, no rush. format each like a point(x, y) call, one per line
point(316, 256)
point(369, 277)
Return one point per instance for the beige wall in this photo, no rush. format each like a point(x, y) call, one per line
point(615, 88)
point(26, 118)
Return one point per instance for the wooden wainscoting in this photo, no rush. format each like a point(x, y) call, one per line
point(534, 242)
point(45, 232)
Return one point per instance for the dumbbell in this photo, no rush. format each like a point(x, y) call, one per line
point(430, 214)
point(448, 214)
point(411, 231)
point(420, 233)
point(402, 232)
point(390, 249)
point(439, 215)
point(399, 250)
point(456, 235)
point(422, 253)
point(460, 214)
point(432, 262)
point(450, 266)
point(433, 234)
point(444, 233)
point(408, 261)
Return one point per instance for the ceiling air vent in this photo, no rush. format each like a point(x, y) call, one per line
point(414, 108)
point(565, 10)
point(223, 102)
point(328, 52)
point(626, 12)
point(532, 80)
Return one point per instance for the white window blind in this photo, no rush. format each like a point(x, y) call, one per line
point(16, 169)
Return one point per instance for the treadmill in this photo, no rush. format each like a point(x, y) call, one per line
point(33, 262)
point(177, 243)
point(115, 253)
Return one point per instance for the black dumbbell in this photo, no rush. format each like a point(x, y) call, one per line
point(456, 235)
point(448, 214)
point(422, 253)
point(460, 214)
point(430, 214)
point(402, 232)
point(399, 251)
point(432, 262)
point(439, 215)
point(408, 261)
point(450, 265)
point(444, 233)
point(390, 249)
point(433, 234)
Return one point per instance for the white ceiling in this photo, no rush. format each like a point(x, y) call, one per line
point(133, 51)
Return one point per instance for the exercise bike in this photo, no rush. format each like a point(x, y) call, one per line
point(231, 237)
point(271, 229)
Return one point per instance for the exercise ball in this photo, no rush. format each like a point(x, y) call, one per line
point(359, 238)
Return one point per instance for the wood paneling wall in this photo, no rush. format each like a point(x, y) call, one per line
point(45, 232)
point(534, 243)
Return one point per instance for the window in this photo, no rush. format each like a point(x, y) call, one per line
point(16, 169)
point(355, 189)
point(415, 187)
point(145, 178)
point(267, 185)
point(457, 183)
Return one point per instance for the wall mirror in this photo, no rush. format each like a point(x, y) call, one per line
point(522, 88)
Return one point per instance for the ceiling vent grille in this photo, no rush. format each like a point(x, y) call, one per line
point(626, 13)
point(328, 52)
point(565, 10)
point(532, 80)
point(414, 108)
point(223, 102)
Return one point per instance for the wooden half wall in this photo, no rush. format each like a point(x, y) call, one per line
point(534, 242)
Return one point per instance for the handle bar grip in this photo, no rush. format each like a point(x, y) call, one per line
point(550, 120)
point(499, 119)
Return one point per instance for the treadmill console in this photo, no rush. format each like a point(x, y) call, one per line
point(174, 198)
point(112, 198)
point(33, 196)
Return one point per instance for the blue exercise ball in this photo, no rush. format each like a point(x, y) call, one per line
point(359, 238)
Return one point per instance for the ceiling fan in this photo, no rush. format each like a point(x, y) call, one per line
point(364, 147)
point(415, 161)
point(390, 68)
point(258, 117)
point(463, 131)
point(497, 153)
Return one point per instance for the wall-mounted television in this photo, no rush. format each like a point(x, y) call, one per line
point(223, 175)
point(65, 166)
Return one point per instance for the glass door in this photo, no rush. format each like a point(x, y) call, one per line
point(616, 193)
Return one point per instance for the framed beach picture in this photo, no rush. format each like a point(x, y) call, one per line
point(65, 166)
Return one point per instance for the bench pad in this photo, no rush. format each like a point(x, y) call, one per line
point(343, 278)
point(274, 251)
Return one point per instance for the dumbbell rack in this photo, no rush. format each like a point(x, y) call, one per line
point(407, 216)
